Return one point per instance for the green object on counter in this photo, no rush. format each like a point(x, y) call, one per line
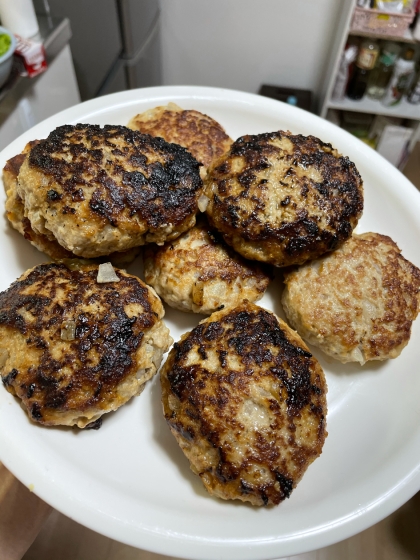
point(5, 43)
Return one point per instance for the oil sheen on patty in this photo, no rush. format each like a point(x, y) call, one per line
point(99, 190)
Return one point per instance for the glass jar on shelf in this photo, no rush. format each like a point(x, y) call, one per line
point(380, 76)
point(413, 95)
point(365, 62)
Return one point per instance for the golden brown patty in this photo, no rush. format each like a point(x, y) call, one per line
point(204, 137)
point(284, 198)
point(15, 213)
point(198, 272)
point(246, 402)
point(99, 190)
point(358, 303)
point(73, 349)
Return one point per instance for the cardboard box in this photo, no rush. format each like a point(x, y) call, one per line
point(412, 166)
point(393, 143)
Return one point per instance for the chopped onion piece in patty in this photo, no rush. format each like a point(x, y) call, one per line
point(106, 273)
point(203, 202)
point(68, 330)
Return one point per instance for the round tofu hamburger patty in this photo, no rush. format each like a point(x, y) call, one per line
point(99, 190)
point(358, 303)
point(282, 198)
point(198, 272)
point(15, 213)
point(73, 349)
point(246, 402)
point(203, 137)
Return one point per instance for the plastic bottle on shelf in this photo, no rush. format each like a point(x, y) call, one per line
point(413, 95)
point(401, 79)
point(365, 62)
point(380, 76)
point(347, 59)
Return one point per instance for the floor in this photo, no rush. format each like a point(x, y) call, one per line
point(394, 538)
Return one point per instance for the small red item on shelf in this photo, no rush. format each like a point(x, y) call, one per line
point(30, 56)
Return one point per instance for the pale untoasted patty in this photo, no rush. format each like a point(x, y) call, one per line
point(100, 190)
point(358, 303)
point(198, 272)
point(246, 402)
point(73, 349)
point(204, 137)
point(15, 213)
point(284, 198)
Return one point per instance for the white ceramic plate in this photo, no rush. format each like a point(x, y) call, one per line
point(131, 482)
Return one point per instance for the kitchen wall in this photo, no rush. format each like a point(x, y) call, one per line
point(241, 44)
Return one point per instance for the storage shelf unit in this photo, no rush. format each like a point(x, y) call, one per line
point(403, 110)
point(406, 38)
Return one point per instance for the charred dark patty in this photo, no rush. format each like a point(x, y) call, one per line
point(73, 349)
point(284, 198)
point(98, 190)
point(15, 213)
point(246, 402)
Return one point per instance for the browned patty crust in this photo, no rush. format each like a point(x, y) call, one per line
point(99, 190)
point(15, 213)
point(116, 345)
point(357, 303)
point(284, 198)
point(246, 401)
point(198, 272)
point(204, 137)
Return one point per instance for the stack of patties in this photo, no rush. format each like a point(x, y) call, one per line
point(242, 394)
point(292, 200)
point(88, 191)
point(198, 272)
